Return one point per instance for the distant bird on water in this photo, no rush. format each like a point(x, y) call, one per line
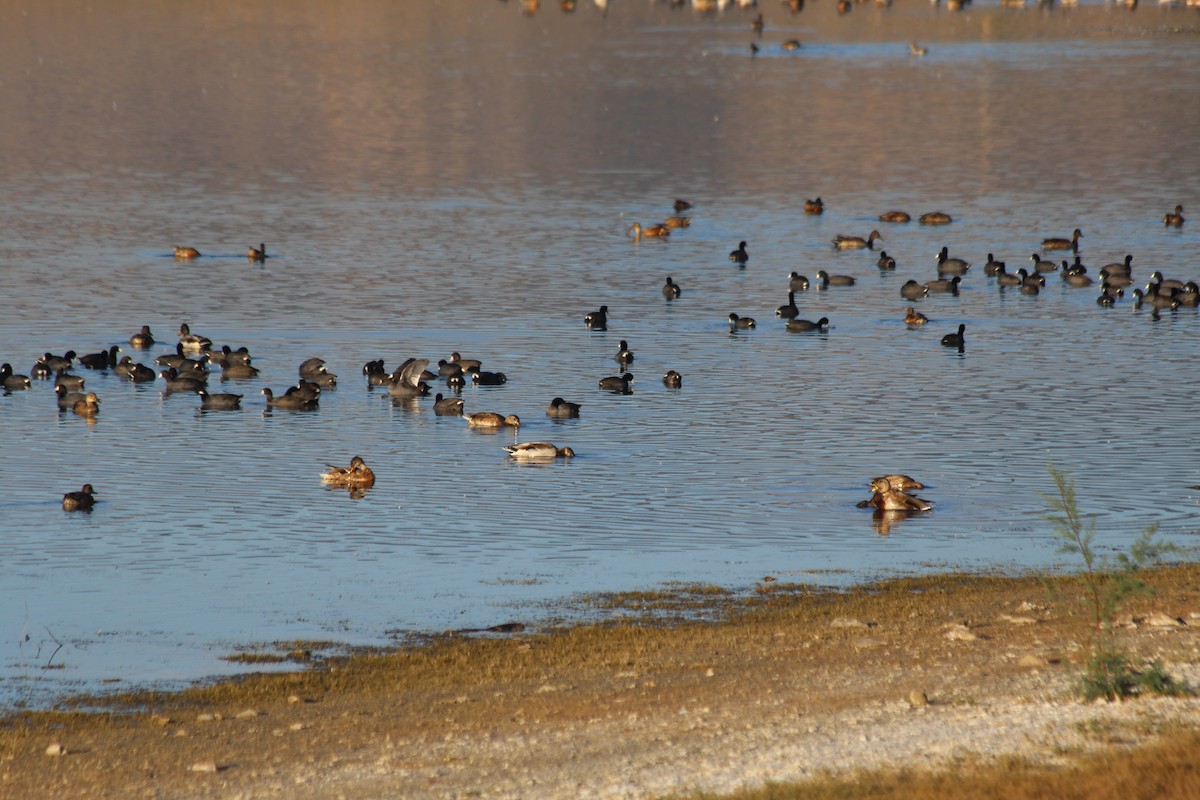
point(10, 381)
point(1059, 243)
point(83, 500)
point(597, 320)
point(842, 242)
point(538, 450)
point(89, 406)
point(490, 419)
point(737, 323)
point(561, 409)
point(617, 383)
point(935, 218)
point(142, 339)
point(649, 232)
point(955, 339)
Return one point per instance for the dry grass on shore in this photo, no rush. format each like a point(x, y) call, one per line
point(1168, 769)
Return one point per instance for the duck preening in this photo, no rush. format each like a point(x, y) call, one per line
point(891, 494)
point(357, 474)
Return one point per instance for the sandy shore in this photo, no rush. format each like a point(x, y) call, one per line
point(789, 684)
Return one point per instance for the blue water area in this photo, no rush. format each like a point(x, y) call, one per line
point(432, 178)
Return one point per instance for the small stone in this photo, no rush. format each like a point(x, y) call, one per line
point(709, 673)
point(203, 766)
point(960, 633)
point(56, 749)
point(293, 699)
point(1031, 661)
point(867, 642)
point(249, 713)
point(297, 726)
point(918, 699)
point(1011, 620)
point(847, 622)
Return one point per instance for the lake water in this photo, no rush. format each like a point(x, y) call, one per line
point(431, 177)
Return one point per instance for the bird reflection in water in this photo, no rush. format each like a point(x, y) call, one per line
point(883, 520)
point(355, 492)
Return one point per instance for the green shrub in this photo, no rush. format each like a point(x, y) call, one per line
point(1107, 583)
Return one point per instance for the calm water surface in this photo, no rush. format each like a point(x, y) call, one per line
point(432, 177)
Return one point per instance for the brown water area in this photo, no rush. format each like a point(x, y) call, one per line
point(365, 97)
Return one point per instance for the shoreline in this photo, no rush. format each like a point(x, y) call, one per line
point(784, 684)
point(673, 599)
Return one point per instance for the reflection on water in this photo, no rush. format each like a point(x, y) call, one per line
point(431, 178)
point(884, 520)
